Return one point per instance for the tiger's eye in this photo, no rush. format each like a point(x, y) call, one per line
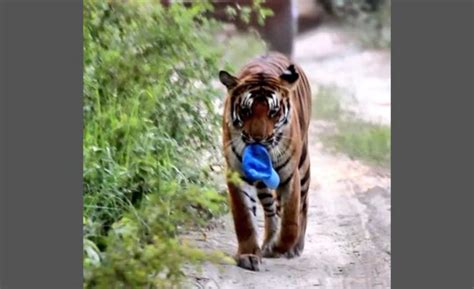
point(274, 112)
point(245, 112)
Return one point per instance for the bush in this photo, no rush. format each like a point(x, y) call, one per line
point(151, 133)
point(149, 117)
point(146, 93)
point(140, 250)
point(371, 19)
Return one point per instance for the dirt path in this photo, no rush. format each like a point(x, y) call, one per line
point(348, 235)
point(330, 56)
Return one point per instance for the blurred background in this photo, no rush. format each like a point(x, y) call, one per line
point(154, 193)
point(340, 43)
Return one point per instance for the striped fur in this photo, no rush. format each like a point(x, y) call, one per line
point(269, 102)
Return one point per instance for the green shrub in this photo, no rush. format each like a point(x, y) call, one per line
point(371, 25)
point(328, 103)
point(140, 251)
point(148, 102)
point(151, 133)
point(374, 29)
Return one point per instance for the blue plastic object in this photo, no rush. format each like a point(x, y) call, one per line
point(257, 166)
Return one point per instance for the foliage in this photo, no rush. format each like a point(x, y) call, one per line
point(370, 20)
point(146, 93)
point(244, 12)
point(140, 252)
point(151, 133)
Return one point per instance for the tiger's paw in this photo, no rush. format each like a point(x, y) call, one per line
point(293, 252)
point(268, 250)
point(249, 261)
point(297, 249)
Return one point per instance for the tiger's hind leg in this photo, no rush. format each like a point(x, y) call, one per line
point(299, 246)
point(244, 211)
point(271, 218)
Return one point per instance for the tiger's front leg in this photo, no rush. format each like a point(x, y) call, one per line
point(289, 225)
point(244, 211)
point(268, 203)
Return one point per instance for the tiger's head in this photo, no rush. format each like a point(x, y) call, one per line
point(260, 104)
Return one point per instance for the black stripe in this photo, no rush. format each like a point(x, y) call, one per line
point(304, 196)
point(264, 195)
point(270, 215)
point(278, 137)
point(270, 210)
point(304, 207)
point(261, 185)
point(304, 192)
point(303, 155)
point(268, 204)
point(271, 204)
point(285, 162)
point(289, 110)
point(305, 178)
point(252, 199)
point(286, 181)
point(254, 211)
point(304, 199)
point(239, 157)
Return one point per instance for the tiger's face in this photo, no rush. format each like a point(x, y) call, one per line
point(258, 113)
point(260, 105)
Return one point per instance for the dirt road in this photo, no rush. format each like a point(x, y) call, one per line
point(348, 235)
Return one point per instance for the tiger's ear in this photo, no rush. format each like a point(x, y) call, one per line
point(289, 77)
point(227, 79)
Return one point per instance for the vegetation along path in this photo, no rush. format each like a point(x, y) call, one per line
point(348, 235)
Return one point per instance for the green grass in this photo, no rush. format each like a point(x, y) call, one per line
point(327, 104)
point(362, 140)
point(357, 138)
point(150, 124)
point(149, 118)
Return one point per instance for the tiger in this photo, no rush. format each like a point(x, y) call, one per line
point(268, 102)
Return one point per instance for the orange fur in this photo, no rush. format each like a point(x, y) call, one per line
point(269, 102)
